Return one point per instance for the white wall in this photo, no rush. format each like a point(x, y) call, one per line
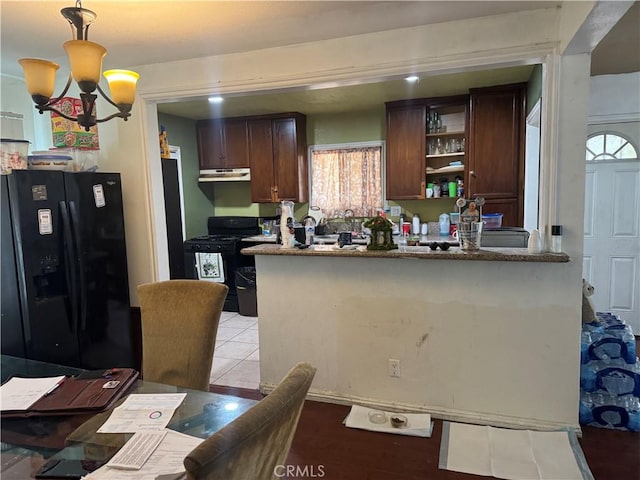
point(485, 342)
point(615, 98)
point(14, 98)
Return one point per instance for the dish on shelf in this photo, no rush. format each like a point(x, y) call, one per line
point(447, 169)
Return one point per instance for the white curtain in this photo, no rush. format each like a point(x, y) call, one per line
point(347, 179)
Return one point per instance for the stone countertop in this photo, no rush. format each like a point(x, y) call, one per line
point(260, 239)
point(421, 253)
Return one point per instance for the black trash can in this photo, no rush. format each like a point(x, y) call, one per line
point(246, 290)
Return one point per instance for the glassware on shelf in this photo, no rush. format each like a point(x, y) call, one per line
point(431, 124)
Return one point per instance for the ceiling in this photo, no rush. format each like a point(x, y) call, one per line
point(189, 29)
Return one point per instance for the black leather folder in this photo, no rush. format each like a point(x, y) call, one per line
point(90, 392)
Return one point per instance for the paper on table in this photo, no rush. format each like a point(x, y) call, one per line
point(134, 454)
point(143, 412)
point(166, 459)
point(18, 394)
point(418, 424)
point(509, 454)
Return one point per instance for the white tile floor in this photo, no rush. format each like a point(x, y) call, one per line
point(236, 358)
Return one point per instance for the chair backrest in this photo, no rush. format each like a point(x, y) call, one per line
point(254, 444)
point(179, 324)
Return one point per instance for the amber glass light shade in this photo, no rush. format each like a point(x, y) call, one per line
point(85, 58)
point(40, 76)
point(122, 85)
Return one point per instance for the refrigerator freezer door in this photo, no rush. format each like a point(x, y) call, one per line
point(11, 334)
point(37, 201)
point(97, 223)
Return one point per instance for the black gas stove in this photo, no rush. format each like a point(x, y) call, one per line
point(216, 257)
point(204, 239)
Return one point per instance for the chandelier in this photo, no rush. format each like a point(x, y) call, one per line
point(85, 59)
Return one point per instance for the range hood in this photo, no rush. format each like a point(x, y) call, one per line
point(225, 175)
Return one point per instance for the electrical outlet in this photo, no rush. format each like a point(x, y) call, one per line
point(394, 367)
point(395, 211)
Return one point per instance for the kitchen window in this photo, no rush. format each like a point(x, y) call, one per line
point(347, 177)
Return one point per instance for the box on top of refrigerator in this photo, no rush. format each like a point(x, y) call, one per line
point(67, 133)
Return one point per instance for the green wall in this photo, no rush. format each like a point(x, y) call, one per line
point(181, 132)
point(534, 87)
point(363, 126)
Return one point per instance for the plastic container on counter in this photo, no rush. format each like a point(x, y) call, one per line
point(492, 220)
point(14, 155)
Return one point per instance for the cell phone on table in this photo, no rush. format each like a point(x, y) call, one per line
point(64, 469)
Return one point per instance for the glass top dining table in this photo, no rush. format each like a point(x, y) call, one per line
point(26, 444)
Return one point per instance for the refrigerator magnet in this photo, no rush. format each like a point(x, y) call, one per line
point(98, 195)
point(45, 226)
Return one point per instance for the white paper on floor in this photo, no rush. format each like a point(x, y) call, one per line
point(512, 454)
point(418, 424)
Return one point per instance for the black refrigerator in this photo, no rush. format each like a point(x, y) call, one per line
point(65, 289)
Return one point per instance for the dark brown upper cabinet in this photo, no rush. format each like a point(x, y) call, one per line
point(405, 155)
point(496, 150)
point(418, 150)
point(278, 158)
point(223, 143)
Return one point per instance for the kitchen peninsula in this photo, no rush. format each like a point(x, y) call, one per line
point(476, 339)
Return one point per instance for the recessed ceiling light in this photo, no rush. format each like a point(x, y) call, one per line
point(216, 99)
point(412, 78)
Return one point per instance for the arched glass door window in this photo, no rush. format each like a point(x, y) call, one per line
point(610, 146)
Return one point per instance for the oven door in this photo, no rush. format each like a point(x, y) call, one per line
point(213, 262)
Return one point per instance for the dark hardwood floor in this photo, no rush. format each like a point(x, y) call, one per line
point(329, 450)
point(324, 448)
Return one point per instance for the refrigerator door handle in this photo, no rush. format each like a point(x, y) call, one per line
point(75, 228)
point(70, 271)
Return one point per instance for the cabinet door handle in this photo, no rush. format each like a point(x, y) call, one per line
point(472, 173)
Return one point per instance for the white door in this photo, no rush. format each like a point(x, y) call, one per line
point(611, 237)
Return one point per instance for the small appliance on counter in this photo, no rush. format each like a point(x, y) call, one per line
point(505, 237)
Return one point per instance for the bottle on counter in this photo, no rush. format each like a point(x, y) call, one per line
point(534, 245)
point(556, 238)
point(444, 224)
point(415, 224)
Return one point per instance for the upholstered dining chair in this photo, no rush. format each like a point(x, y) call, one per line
point(179, 324)
point(255, 443)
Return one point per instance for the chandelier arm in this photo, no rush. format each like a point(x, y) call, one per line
point(49, 108)
point(59, 97)
point(123, 115)
point(106, 97)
